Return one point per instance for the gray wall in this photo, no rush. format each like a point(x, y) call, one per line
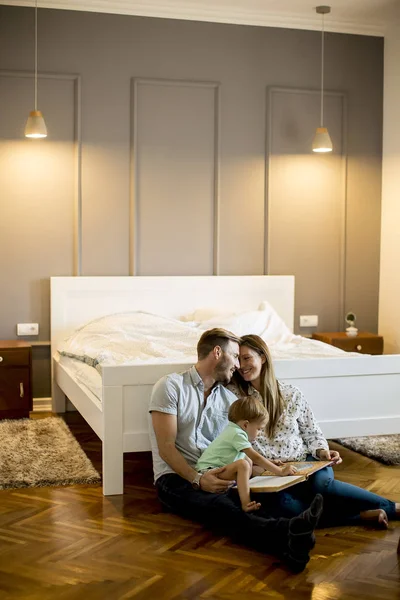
point(194, 158)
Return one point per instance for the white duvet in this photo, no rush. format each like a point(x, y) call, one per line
point(139, 337)
point(133, 337)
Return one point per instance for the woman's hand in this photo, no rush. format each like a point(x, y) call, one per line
point(210, 482)
point(332, 455)
point(278, 462)
point(288, 470)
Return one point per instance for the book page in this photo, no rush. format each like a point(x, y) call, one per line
point(273, 482)
point(305, 468)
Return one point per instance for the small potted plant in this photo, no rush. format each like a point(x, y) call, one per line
point(351, 331)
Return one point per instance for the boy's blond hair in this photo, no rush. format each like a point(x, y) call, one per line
point(247, 409)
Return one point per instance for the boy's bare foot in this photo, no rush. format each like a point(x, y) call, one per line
point(251, 506)
point(377, 516)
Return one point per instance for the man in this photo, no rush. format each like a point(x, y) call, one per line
point(188, 411)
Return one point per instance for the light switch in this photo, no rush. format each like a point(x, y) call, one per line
point(28, 329)
point(308, 320)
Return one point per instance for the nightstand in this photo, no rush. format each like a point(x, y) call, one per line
point(363, 342)
point(15, 379)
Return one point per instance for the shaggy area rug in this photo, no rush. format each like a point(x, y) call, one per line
point(41, 452)
point(384, 448)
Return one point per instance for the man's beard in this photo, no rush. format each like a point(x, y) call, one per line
point(222, 371)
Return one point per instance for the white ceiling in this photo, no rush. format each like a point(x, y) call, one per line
point(368, 17)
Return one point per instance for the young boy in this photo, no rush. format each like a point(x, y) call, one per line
point(232, 449)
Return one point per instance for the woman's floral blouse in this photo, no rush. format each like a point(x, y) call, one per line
point(297, 432)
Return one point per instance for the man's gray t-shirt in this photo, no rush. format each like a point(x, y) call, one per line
point(182, 394)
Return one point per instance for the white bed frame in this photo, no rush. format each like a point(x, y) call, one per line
point(349, 396)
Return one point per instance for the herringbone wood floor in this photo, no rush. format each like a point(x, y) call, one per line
point(72, 543)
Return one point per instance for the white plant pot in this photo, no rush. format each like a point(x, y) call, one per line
point(351, 331)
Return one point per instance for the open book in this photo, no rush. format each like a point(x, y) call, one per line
point(268, 482)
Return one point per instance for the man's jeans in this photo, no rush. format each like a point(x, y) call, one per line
point(224, 513)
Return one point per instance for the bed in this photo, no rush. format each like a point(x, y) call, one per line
point(349, 395)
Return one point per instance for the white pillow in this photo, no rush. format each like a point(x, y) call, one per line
point(240, 324)
point(276, 331)
point(206, 313)
point(264, 322)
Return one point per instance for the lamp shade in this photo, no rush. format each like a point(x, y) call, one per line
point(322, 140)
point(35, 126)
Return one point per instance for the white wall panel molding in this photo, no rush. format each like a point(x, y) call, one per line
point(78, 177)
point(217, 174)
point(249, 12)
point(138, 84)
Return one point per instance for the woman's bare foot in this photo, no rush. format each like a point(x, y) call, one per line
point(251, 506)
point(377, 516)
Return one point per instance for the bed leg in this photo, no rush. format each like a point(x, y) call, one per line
point(113, 442)
point(58, 399)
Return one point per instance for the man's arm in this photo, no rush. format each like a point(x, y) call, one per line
point(165, 428)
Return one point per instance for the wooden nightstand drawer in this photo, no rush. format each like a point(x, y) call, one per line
point(364, 342)
point(14, 358)
point(15, 379)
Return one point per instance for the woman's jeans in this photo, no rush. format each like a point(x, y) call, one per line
point(343, 502)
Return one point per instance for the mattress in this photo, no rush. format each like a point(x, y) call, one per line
point(138, 337)
point(88, 377)
point(299, 348)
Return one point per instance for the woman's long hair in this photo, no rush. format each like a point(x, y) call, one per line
point(269, 388)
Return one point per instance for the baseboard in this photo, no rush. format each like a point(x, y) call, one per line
point(45, 405)
point(361, 427)
point(42, 405)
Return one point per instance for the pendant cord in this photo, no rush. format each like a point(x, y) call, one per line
point(36, 54)
point(322, 71)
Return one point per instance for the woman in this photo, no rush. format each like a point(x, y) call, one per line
point(292, 433)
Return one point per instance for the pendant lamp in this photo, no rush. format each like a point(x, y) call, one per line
point(322, 141)
point(35, 126)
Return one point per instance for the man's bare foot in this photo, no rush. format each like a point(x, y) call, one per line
point(377, 516)
point(251, 506)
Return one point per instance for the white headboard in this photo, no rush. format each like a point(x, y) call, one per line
point(77, 300)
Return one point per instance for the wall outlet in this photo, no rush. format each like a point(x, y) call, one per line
point(308, 320)
point(28, 329)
